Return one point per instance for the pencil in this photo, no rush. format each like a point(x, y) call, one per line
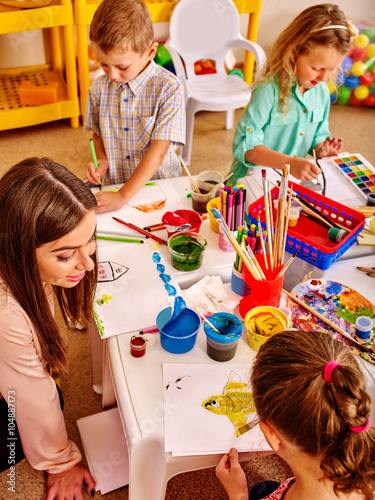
point(366, 269)
point(140, 230)
point(95, 160)
point(116, 238)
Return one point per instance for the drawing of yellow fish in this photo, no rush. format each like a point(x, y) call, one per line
point(236, 403)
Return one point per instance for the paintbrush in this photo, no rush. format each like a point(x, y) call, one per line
point(325, 320)
point(196, 188)
point(267, 213)
point(219, 183)
point(206, 320)
point(284, 268)
point(223, 225)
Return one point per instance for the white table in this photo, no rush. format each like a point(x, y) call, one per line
point(136, 383)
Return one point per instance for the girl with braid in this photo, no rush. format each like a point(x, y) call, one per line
point(314, 411)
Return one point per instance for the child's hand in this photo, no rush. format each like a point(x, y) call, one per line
point(330, 147)
point(232, 477)
point(303, 169)
point(93, 175)
point(109, 202)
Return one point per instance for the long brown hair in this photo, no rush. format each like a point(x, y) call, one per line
point(290, 392)
point(300, 37)
point(42, 201)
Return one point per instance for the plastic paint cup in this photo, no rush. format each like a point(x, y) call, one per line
point(206, 181)
point(266, 319)
point(215, 203)
point(261, 293)
point(137, 346)
point(186, 250)
point(224, 243)
point(179, 335)
point(294, 214)
point(238, 284)
point(363, 327)
point(222, 346)
point(191, 217)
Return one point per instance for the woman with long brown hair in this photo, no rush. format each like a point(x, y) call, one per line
point(47, 250)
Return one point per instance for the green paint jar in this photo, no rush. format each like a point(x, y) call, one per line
point(187, 250)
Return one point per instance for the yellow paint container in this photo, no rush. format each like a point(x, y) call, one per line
point(262, 322)
point(215, 203)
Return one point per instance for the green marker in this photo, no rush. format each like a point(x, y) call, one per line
point(94, 159)
point(115, 238)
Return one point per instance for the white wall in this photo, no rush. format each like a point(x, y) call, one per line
point(22, 49)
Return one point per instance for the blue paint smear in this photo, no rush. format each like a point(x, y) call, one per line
point(160, 268)
point(334, 289)
point(156, 257)
point(166, 278)
point(170, 289)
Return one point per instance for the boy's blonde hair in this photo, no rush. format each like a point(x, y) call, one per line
point(291, 393)
point(304, 34)
point(122, 23)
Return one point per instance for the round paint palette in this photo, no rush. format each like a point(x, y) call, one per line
point(338, 303)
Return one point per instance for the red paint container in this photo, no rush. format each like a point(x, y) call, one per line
point(184, 216)
point(137, 346)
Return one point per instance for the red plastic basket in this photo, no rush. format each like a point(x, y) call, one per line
point(309, 238)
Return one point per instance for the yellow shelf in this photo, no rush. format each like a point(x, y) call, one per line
point(161, 11)
point(58, 21)
point(14, 115)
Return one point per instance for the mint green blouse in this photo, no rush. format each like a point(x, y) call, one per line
point(294, 133)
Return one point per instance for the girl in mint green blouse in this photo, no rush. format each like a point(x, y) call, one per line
point(287, 116)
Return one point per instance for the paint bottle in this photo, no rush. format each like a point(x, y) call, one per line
point(294, 214)
point(223, 346)
point(137, 346)
point(363, 327)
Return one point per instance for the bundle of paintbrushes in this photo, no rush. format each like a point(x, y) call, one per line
point(233, 205)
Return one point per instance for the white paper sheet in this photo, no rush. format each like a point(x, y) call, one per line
point(130, 292)
point(192, 429)
point(151, 197)
point(106, 450)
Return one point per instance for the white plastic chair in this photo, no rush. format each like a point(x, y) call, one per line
point(208, 29)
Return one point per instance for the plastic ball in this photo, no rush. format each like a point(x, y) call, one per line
point(370, 100)
point(369, 32)
point(361, 40)
point(340, 80)
point(367, 79)
point(346, 64)
point(359, 54)
point(352, 81)
point(361, 92)
point(372, 88)
point(370, 49)
point(331, 88)
point(353, 101)
point(333, 97)
point(343, 93)
point(358, 68)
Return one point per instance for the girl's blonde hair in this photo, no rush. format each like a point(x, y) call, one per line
point(290, 392)
point(122, 23)
point(300, 37)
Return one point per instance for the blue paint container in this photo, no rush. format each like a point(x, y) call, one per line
point(238, 284)
point(179, 335)
point(222, 346)
point(363, 327)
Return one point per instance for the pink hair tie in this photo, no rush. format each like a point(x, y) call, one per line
point(360, 429)
point(328, 369)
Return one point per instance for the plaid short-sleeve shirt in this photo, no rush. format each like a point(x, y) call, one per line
point(127, 116)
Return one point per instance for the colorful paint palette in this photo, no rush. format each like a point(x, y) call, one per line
point(338, 303)
point(359, 172)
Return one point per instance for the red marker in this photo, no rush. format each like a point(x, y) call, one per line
point(140, 230)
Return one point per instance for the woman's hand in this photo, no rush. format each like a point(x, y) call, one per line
point(232, 477)
point(68, 485)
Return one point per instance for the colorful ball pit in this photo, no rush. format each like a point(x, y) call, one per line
point(355, 84)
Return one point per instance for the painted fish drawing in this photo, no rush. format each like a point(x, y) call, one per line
point(236, 403)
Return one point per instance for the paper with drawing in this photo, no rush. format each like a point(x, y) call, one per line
point(208, 408)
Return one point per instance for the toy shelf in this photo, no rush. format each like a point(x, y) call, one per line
point(57, 22)
point(161, 11)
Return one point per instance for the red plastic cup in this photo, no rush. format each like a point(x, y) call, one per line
point(191, 217)
point(262, 293)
